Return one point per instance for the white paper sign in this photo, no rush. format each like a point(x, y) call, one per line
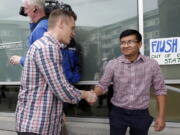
point(165, 50)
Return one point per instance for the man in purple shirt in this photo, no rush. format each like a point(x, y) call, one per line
point(132, 75)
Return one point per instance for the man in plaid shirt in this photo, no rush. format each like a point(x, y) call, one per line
point(43, 85)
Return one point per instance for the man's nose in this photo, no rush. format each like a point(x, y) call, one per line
point(126, 44)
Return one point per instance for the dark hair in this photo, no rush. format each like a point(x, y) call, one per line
point(60, 13)
point(51, 5)
point(130, 32)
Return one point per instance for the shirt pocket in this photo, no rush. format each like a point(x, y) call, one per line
point(120, 82)
point(121, 75)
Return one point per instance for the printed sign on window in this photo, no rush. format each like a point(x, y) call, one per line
point(165, 50)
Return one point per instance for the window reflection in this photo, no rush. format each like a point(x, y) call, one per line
point(161, 20)
point(99, 25)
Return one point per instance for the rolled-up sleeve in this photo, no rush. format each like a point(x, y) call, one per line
point(107, 77)
point(158, 80)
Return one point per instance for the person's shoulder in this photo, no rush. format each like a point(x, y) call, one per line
point(41, 43)
point(114, 61)
point(44, 20)
point(117, 59)
point(42, 24)
point(148, 59)
point(150, 62)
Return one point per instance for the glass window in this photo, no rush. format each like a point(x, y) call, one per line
point(166, 18)
point(13, 34)
point(99, 25)
point(8, 98)
point(172, 109)
point(161, 20)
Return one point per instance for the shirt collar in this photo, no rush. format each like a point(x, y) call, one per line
point(33, 25)
point(42, 18)
point(54, 40)
point(140, 58)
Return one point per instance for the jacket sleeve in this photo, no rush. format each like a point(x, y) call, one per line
point(22, 60)
point(76, 68)
point(71, 66)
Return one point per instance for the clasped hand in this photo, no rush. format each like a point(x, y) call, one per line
point(90, 97)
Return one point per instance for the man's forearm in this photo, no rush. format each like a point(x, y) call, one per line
point(98, 90)
point(160, 120)
point(161, 101)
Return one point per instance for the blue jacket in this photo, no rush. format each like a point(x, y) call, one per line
point(70, 63)
point(37, 31)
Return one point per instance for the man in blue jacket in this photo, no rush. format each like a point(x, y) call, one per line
point(34, 9)
point(71, 67)
point(70, 61)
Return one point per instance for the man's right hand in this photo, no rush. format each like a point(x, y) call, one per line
point(15, 59)
point(89, 96)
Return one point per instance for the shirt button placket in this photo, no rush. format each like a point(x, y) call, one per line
point(132, 84)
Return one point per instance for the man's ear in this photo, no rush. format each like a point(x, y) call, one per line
point(35, 9)
point(140, 44)
point(60, 23)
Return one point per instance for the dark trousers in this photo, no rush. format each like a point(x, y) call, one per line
point(138, 121)
point(26, 133)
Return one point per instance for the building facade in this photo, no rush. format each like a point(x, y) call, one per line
point(99, 25)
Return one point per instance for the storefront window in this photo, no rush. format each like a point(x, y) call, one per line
point(161, 20)
point(13, 34)
point(99, 25)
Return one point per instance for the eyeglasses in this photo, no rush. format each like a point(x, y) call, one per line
point(129, 42)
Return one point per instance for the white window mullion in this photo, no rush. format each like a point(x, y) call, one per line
point(141, 22)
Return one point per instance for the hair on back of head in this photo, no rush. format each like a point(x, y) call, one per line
point(60, 13)
point(130, 32)
point(40, 3)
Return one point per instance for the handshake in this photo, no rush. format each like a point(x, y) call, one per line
point(89, 96)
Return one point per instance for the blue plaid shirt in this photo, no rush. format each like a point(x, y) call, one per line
point(43, 89)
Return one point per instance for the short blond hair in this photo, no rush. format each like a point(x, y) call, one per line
point(60, 13)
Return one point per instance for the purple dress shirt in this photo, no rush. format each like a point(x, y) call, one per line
point(132, 81)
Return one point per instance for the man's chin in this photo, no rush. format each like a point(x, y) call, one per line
point(68, 42)
point(126, 54)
